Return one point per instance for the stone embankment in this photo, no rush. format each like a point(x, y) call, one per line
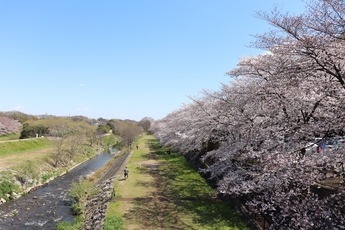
point(96, 208)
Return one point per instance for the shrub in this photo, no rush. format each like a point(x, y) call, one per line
point(109, 140)
point(64, 226)
point(79, 191)
point(78, 222)
point(33, 130)
point(103, 129)
point(7, 188)
point(27, 171)
point(77, 209)
point(47, 177)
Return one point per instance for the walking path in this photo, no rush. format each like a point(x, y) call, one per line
point(163, 193)
point(116, 168)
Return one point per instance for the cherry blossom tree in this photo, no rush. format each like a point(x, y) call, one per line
point(255, 130)
point(8, 126)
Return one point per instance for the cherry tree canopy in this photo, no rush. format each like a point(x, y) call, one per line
point(256, 130)
point(8, 126)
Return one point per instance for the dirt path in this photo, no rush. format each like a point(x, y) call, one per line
point(143, 202)
point(116, 168)
point(156, 199)
point(159, 196)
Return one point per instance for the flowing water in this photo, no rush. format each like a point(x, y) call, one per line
point(47, 206)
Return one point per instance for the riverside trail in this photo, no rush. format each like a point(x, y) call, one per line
point(164, 191)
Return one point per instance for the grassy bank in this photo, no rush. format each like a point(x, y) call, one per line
point(13, 136)
point(13, 147)
point(29, 162)
point(164, 192)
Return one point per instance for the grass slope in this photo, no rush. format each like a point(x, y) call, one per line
point(164, 192)
point(13, 147)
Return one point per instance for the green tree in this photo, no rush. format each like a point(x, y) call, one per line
point(102, 129)
point(29, 131)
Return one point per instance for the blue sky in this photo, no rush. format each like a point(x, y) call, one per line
point(122, 59)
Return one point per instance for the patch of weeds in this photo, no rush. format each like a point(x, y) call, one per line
point(46, 177)
point(64, 226)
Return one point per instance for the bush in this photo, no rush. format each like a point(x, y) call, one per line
point(47, 177)
point(87, 150)
point(109, 140)
point(113, 222)
point(78, 222)
point(79, 191)
point(29, 131)
point(64, 226)
point(102, 129)
point(7, 188)
point(77, 209)
point(27, 171)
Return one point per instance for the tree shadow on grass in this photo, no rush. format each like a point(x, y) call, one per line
point(142, 214)
point(156, 147)
point(144, 184)
point(215, 215)
point(148, 214)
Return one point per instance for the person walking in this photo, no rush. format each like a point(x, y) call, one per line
point(125, 173)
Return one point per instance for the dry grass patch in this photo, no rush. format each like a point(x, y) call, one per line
point(10, 161)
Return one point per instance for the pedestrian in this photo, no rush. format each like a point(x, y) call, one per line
point(125, 172)
point(137, 146)
point(319, 148)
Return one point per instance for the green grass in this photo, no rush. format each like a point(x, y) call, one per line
point(180, 180)
point(7, 148)
point(187, 201)
point(142, 153)
point(210, 215)
point(13, 136)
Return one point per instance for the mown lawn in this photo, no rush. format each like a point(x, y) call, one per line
point(165, 192)
point(13, 147)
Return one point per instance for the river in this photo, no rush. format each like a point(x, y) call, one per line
point(47, 206)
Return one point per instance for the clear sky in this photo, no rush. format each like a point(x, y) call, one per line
point(123, 59)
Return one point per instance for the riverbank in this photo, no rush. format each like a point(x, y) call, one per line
point(164, 191)
point(101, 180)
point(46, 207)
point(27, 165)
